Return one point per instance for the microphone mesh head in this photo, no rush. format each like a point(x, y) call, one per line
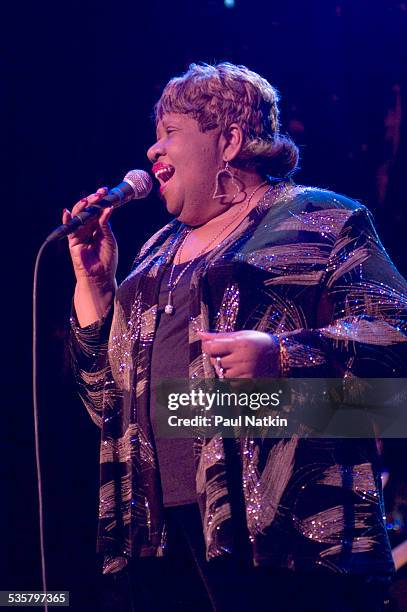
point(140, 181)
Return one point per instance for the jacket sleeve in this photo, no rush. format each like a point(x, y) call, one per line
point(360, 317)
point(89, 354)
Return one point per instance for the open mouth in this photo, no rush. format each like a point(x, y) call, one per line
point(163, 172)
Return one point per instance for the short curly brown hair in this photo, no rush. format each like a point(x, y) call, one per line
point(219, 95)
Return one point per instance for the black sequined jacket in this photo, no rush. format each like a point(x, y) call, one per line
point(307, 266)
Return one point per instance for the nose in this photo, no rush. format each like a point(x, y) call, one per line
point(155, 151)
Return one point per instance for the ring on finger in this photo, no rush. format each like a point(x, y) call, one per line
point(219, 369)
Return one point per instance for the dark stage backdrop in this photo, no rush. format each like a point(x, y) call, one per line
point(80, 80)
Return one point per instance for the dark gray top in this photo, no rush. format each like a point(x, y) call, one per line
point(170, 359)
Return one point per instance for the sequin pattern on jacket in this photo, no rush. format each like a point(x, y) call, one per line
point(307, 266)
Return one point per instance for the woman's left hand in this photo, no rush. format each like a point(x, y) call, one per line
point(243, 354)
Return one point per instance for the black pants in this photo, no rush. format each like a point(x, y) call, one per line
point(186, 582)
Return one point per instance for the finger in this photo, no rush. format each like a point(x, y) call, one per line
point(89, 200)
point(216, 335)
point(220, 371)
point(218, 367)
point(105, 216)
point(84, 233)
point(79, 206)
point(236, 372)
point(213, 348)
point(239, 373)
point(102, 191)
point(226, 361)
point(66, 216)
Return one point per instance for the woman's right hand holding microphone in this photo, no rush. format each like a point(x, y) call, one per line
point(93, 250)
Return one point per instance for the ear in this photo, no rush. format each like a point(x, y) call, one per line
point(233, 142)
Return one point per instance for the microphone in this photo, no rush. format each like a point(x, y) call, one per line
point(136, 185)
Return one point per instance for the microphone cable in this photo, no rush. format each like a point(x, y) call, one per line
point(36, 424)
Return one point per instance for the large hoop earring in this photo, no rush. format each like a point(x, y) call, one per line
point(226, 170)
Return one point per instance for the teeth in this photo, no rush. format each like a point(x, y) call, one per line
point(164, 173)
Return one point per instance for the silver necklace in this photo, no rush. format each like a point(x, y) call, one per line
point(169, 307)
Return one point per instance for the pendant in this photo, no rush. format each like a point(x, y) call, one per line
point(169, 308)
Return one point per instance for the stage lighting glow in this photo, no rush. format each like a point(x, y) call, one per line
point(229, 3)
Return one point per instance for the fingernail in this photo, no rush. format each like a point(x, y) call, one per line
point(66, 210)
